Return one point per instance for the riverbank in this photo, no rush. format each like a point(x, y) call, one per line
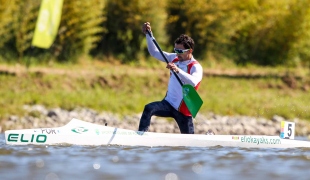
point(42, 117)
point(125, 89)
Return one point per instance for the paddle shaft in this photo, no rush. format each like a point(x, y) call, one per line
point(161, 52)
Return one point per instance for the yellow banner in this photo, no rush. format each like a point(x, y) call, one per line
point(47, 23)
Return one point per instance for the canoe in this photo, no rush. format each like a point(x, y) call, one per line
point(78, 132)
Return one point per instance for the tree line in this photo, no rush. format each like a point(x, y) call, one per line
point(261, 32)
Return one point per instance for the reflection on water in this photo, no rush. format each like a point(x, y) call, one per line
point(169, 163)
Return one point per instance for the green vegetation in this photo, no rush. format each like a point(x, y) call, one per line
point(125, 89)
point(255, 53)
point(262, 32)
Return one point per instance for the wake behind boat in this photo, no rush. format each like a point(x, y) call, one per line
point(79, 132)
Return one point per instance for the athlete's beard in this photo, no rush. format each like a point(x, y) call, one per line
point(181, 58)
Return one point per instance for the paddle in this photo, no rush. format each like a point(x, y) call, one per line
point(190, 95)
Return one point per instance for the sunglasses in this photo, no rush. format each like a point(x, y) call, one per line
point(180, 51)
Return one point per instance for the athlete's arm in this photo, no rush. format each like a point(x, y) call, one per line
point(155, 52)
point(194, 77)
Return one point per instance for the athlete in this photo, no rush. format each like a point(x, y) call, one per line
point(189, 71)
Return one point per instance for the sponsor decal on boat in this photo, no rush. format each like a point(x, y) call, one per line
point(235, 137)
point(47, 131)
point(79, 130)
point(260, 140)
point(24, 138)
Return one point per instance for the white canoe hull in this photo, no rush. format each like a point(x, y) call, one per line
point(79, 132)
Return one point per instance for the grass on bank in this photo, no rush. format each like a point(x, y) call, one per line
point(125, 89)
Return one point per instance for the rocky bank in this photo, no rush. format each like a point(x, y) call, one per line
point(41, 117)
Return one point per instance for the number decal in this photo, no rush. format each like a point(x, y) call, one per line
point(287, 130)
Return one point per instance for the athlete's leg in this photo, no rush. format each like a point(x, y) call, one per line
point(158, 108)
point(185, 123)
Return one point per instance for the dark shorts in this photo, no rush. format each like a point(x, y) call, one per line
point(164, 109)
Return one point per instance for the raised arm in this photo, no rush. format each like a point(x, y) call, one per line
point(155, 52)
point(151, 46)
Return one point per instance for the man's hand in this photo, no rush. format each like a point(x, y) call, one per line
point(146, 26)
point(172, 67)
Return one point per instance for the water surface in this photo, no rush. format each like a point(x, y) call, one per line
point(169, 163)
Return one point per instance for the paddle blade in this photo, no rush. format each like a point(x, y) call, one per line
point(191, 99)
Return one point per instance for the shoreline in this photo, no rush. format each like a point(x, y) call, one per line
point(40, 117)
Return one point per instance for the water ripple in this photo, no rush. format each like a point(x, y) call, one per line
point(124, 162)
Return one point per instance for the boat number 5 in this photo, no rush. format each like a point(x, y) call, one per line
point(287, 130)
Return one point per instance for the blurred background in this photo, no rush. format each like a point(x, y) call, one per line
point(261, 32)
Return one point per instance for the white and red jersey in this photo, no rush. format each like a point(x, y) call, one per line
point(190, 73)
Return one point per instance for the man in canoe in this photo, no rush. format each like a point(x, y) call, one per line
point(183, 63)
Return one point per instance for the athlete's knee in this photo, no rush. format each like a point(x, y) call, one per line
point(148, 108)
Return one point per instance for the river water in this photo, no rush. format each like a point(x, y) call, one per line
point(167, 163)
